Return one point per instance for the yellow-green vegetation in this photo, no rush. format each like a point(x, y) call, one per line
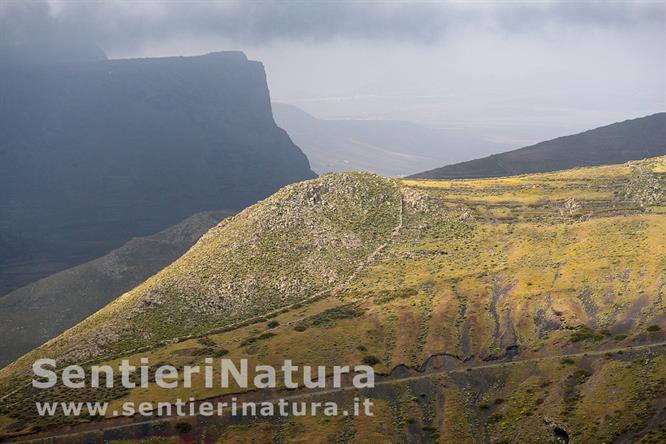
point(303, 240)
point(563, 273)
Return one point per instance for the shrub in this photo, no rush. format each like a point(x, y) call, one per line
point(584, 333)
point(253, 339)
point(219, 353)
point(653, 328)
point(327, 317)
point(349, 311)
point(371, 360)
point(362, 348)
point(567, 361)
point(581, 375)
point(385, 296)
point(495, 417)
point(159, 426)
point(211, 352)
point(272, 324)
point(206, 341)
point(183, 427)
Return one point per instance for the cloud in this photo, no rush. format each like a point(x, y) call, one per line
point(118, 24)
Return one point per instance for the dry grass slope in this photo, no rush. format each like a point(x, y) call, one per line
point(503, 310)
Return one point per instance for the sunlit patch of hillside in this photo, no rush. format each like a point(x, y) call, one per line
point(562, 272)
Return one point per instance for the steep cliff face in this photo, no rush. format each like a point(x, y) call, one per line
point(94, 153)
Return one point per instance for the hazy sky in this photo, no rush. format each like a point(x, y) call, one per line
point(511, 71)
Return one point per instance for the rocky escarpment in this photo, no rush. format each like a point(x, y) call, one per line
point(93, 153)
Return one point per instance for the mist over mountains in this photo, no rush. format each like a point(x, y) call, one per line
point(388, 147)
point(95, 152)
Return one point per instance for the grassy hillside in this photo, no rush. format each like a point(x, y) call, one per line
point(299, 242)
point(620, 142)
point(524, 309)
point(31, 315)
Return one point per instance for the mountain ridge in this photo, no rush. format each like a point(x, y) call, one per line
point(631, 139)
point(304, 263)
point(549, 288)
point(31, 315)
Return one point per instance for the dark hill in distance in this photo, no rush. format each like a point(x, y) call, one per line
point(31, 315)
point(96, 152)
point(388, 147)
point(620, 142)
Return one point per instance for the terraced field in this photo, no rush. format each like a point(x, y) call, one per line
point(523, 309)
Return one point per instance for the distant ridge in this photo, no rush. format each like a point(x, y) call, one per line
point(386, 147)
point(620, 142)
